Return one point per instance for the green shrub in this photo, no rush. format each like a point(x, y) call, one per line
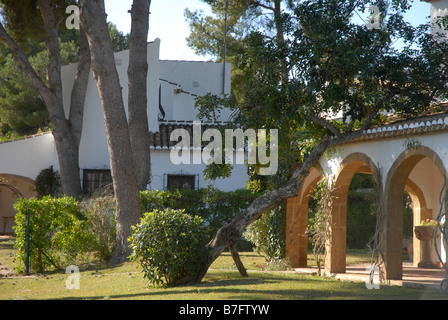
point(101, 214)
point(57, 227)
point(361, 218)
point(221, 207)
point(48, 183)
point(267, 234)
point(217, 208)
point(170, 246)
point(158, 200)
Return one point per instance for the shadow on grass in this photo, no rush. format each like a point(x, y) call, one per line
point(264, 287)
point(7, 244)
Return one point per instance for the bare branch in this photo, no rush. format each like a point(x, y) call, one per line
point(258, 3)
point(350, 126)
point(326, 124)
point(22, 60)
point(53, 48)
point(79, 90)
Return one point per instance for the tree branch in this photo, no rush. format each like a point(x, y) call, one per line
point(22, 60)
point(350, 126)
point(259, 4)
point(325, 124)
point(79, 90)
point(53, 48)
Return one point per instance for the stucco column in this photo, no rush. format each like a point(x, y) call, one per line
point(392, 249)
point(335, 260)
point(296, 236)
point(392, 233)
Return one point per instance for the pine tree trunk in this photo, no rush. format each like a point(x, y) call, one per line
point(67, 133)
point(67, 149)
point(137, 96)
point(93, 20)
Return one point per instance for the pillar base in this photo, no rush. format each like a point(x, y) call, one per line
point(425, 264)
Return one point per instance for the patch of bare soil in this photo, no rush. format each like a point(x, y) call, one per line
point(4, 271)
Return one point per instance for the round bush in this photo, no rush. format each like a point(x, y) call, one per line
point(170, 246)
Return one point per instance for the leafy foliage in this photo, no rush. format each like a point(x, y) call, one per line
point(170, 245)
point(267, 234)
point(320, 222)
point(22, 109)
point(47, 183)
point(313, 69)
point(24, 21)
point(57, 228)
point(100, 212)
point(215, 207)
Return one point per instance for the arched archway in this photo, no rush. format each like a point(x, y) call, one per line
point(420, 171)
point(420, 212)
point(336, 250)
point(12, 187)
point(297, 220)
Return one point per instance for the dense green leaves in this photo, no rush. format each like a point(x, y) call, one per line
point(22, 109)
point(215, 207)
point(48, 183)
point(267, 234)
point(170, 245)
point(58, 229)
point(341, 74)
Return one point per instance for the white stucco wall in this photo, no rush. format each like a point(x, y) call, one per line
point(385, 152)
point(178, 106)
point(194, 79)
point(29, 156)
point(94, 153)
point(439, 9)
point(161, 164)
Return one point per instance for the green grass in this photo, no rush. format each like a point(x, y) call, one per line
point(222, 282)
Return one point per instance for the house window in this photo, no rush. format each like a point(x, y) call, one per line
point(95, 179)
point(181, 182)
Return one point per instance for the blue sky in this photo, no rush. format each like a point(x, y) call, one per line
point(167, 22)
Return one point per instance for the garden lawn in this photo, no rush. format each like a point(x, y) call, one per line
point(222, 282)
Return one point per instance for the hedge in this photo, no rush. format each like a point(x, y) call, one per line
point(58, 230)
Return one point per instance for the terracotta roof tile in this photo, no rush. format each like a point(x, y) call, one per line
point(161, 138)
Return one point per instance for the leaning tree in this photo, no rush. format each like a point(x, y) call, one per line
point(343, 78)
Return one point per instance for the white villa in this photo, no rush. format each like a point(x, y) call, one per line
point(172, 88)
